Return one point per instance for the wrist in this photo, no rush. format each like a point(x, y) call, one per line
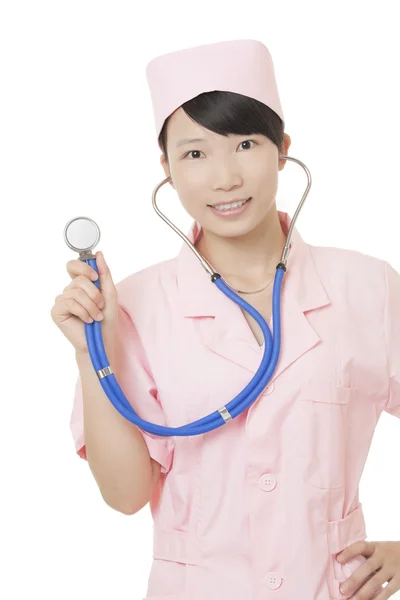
point(84, 356)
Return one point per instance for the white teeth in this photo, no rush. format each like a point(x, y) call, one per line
point(229, 206)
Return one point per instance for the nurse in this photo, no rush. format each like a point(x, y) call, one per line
point(261, 507)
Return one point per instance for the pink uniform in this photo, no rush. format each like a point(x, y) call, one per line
point(258, 508)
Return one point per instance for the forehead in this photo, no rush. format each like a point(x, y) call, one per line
point(181, 126)
point(180, 121)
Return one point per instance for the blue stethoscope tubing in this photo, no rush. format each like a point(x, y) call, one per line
point(272, 345)
point(236, 406)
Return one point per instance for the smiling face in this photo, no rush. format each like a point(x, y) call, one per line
point(220, 169)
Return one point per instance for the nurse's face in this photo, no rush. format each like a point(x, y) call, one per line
point(220, 169)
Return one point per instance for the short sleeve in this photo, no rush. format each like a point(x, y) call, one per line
point(136, 381)
point(392, 337)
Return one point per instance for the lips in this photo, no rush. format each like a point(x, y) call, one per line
point(231, 202)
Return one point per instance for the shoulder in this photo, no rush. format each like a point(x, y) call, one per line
point(345, 263)
point(147, 291)
point(352, 279)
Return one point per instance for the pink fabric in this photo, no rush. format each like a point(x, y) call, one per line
point(259, 507)
point(241, 66)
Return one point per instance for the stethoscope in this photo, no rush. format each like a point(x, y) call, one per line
point(82, 234)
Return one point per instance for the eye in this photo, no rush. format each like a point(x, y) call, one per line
point(190, 152)
point(244, 142)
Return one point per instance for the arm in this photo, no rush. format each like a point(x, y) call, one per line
point(126, 475)
point(114, 447)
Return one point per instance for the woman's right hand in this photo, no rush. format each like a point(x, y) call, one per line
point(81, 302)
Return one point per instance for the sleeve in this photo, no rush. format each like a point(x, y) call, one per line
point(135, 379)
point(392, 337)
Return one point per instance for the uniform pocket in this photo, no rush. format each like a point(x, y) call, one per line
point(322, 418)
point(167, 580)
point(173, 551)
point(341, 534)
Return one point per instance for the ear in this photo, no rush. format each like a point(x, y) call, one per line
point(166, 168)
point(285, 147)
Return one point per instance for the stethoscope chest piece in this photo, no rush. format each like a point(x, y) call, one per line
point(82, 234)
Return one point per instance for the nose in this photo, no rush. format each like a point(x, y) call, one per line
point(227, 178)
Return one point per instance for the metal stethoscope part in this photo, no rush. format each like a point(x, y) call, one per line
point(82, 234)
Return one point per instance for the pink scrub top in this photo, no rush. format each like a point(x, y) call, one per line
point(258, 508)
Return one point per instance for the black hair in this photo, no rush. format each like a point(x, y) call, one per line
point(230, 113)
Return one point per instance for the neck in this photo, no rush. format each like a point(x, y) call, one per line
point(248, 261)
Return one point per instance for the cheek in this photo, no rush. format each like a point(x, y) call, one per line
point(189, 183)
point(266, 187)
point(193, 202)
point(192, 192)
point(266, 174)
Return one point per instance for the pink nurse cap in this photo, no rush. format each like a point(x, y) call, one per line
point(241, 66)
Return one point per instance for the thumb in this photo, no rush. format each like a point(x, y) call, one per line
point(105, 277)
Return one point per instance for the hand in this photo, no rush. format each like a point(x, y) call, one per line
point(81, 302)
point(382, 565)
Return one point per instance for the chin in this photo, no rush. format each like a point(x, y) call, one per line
point(231, 229)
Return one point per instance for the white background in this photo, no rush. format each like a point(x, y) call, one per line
point(77, 138)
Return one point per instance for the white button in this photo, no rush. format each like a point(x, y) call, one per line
point(273, 581)
point(267, 482)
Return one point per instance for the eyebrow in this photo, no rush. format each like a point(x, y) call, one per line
point(189, 141)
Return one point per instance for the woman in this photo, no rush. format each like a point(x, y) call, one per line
point(261, 507)
point(231, 190)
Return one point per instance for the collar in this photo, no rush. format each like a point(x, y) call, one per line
point(228, 332)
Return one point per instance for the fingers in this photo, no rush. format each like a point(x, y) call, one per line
point(78, 303)
point(71, 306)
point(106, 281)
point(83, 283)
point(78, 267)
point(86, 293)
